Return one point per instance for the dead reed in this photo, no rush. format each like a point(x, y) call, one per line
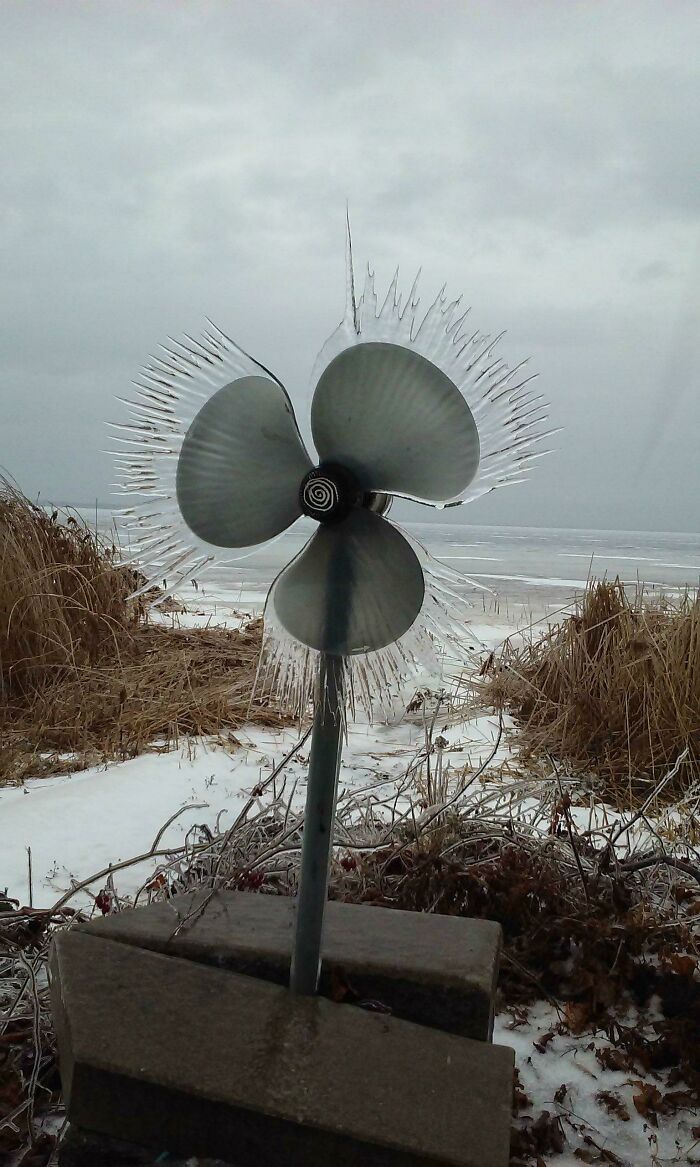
point(588, 927)
point(613, 689)
point(63, 597)
point(82, 671)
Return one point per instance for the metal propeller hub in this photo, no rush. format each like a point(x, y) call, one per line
point(329, 492)
point(393, 415)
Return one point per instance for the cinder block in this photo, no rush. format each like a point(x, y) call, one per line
point(80, 1148)
point(435, 970)
point(174, 1054)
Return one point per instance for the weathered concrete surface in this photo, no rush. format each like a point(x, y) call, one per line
point(169, 1053)
point(435, 970)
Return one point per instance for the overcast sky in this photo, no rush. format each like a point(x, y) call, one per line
point(163, 162)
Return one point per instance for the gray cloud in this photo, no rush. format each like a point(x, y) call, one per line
point(166, 162)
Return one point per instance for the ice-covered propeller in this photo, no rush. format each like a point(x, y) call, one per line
point(405, 404)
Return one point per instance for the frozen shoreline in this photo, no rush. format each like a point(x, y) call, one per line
point(80, 823)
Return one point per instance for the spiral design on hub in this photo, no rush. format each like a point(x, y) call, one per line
point(329, 492)
point(321, 494)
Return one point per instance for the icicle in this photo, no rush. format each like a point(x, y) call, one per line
point(467, 358)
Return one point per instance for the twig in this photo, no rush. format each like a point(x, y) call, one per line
point(197, 912)
point(565, 809)
point(173, 817)
point(262, 787)
point(36, 1027)
point(531, 977)
point(648, 801)
point(667, 860)
point(429, 742)
point(423, 824)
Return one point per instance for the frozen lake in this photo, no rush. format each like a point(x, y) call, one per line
point(536, 567)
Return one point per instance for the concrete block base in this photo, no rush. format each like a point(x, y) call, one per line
point(80, 1148)
point(172, 1054)
point(435, 970)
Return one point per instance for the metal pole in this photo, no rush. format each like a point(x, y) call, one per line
point(324, 763)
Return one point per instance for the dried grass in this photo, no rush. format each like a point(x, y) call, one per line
point(613, 689)
point(586, 927)
point(63, 596)
point(82, 671)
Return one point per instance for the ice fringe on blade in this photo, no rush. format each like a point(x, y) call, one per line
point(175, 385)
point(171, 390)
point(288, 670)
point(509, 415)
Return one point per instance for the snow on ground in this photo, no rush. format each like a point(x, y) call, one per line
point(79, 824)
point(564, 1077)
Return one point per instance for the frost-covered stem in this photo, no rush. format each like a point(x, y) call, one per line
point(324, 764)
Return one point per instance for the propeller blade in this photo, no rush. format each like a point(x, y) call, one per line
point(241, 464)
point(356, 587)
point(397, 421)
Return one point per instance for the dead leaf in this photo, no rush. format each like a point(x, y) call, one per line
point(648, 1101)
point(548, 1132)
point(678, 1100)
point(520, 1098)
point(613, 1104)
point(685, 966)
point(597, 1154)
point(577, 1015)
point(612, 1059)
point(542, 1042)
point(340, 987)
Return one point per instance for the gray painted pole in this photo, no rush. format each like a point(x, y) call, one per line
point(324, 763)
